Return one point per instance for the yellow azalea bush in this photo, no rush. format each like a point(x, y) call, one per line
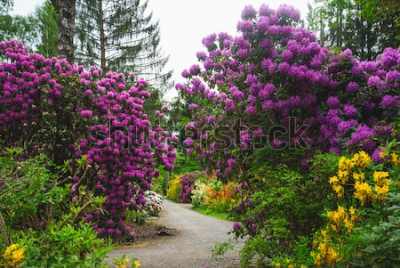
point(351, 178)
point(174, 188)
point(13, 256)
point(362, 189)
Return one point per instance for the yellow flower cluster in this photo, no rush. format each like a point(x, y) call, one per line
point(353, 169)
point(123, 262)
point(363, 192)
point(341, 217)
point(361, 160)
point(326, 253)
point(394, 159)
point(13, 255)
point(381, 185)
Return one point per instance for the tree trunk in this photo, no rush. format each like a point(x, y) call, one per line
point(102, 38)
point(66, 25)
point(3, 230)
point(321, 29)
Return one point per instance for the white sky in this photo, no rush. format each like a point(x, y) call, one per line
point(184, 23)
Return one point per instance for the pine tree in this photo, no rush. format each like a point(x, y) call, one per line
point(120, 36)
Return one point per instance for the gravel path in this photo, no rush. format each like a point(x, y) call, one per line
point(190, 248)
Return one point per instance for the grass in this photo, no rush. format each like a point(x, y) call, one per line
point(216, 214)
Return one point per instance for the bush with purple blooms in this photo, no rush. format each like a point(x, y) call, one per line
point(272, 99)
point(275, 89)
point(49, 106)
point(187, 181)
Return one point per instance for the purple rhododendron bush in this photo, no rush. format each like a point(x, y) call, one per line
point(72, 115)
point(274, 87)
point(272, 109)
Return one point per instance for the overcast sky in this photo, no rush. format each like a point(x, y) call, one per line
point(184, 23)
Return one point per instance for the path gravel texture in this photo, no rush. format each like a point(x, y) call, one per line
point(190, 247)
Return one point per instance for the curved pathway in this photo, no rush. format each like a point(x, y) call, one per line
point(191, 247)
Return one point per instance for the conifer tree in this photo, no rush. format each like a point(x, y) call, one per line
point(120, 36)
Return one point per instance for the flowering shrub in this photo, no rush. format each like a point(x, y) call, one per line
point(274, 89)
point(216, 196)
point(187, 182)
point(50, 106)
point(223, 197)
point(174, 188)
point(199, 193)
point(275, 218)
point(366, 215)
point(154, 203)
point(13, 256)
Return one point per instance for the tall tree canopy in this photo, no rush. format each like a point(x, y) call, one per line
point(120, 36)
point(356, 24)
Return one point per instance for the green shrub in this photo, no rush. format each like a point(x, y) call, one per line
point(43, 217)
point(284, 209)
point(67, 246)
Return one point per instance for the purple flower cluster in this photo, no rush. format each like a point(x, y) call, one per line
point(50, 106)
point(277, 74)
point(187, 181)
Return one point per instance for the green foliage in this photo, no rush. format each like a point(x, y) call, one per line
point(139, 217)
point(377, 245)
point(5, 6)
point(39, 216)
point(185, 163)
point(203, 209)
point(20, 28)
point(283, 210)
point(125, 262)
point(29, 190)
point(364, 26)
point(159, 183)
point(300, 258)
point(48, 28)
point(67, 246)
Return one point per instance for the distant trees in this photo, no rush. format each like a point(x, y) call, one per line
point(120, 36)
point(16, 27)
point(364, 26)
point(48, 29)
